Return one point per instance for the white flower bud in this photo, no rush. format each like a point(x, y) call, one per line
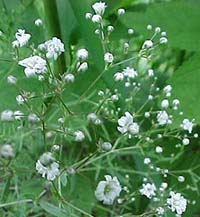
point(163, 40)
point(110, 29)
point(121, 11)
point(38, 22)
point(6, 151)
point(82, 54)
point(186, 141)
point(130, 31)
point(147, 44)
point(118, 76)
point(11, 79)
point(83, 67)
point(157, 29)
point(149, 27)
point(7, 115)
point(108, 58)
point(88, 16)
point(181, 178)
point(159, 149)
point(96, 18)
point(165, 103)
point(106, 146)
point(69, 78)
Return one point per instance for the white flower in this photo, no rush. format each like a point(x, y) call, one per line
point(33, 65)
point(96, 19)
point(163, 40)
point(6, 151)
point(187, 125)
point(130, 31)
point(33, 118)
point(126, 124)
point(121, 11)
point(38, 22)
point(159, 149)
point(82, 67)
point(11, 79)
point(150, 73)
point(167, 90)
point(110, 29)
point(18, 115)
point(107, 191)
point(99, 7)
point(20, 100)
point(82, 54)
point(147, 161)
point(47, 166)
point(118, 76)
point(186, 141)
point(162, 118)
point(7, 115)
point(147, 44)
point(177, 203)
point(160, 211)
point(106, 146)
point(53, 47)
point(165, 103)
point(130, 72)
point(108, 58)
point(148, 190)
point(69, 78)
point(79, 136)
point(22, 38)
point(181, 178)
point(88, 16)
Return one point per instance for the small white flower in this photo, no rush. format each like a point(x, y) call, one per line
point(108, 58)
point(92, 117)
point(33, 118)
point(149, 27)
point(88, 16)
point(69, 78)
point(130, 31)
point(148, 190)
point(33, 65)
point(157, 29)
point(165, 103)
point(110, 29)
point(162, 118)
point(107, 191)
point(47, 166)
point(118, 76)
point(159, 149)
point(163, 40)
point(150, 73)
point(53, 47)
point(82, 67)
point(82, 54)
point(79, 136)
point(22, 38)
point(18, 115)
point(11, 79)
point(106, 146)
point(147, 44)
point(96, 18)
point(167, 90)
point(187, 125)
point(99, 7)
point(181, 178)
point(38, 22)
point(6, 151)
point(7, 115)
point(130, 72)
point(20, 100)
point(126, 124)
point(121, 11)
point(177, 203)
point(160, 211)
point(186, 141)
point(147, 161)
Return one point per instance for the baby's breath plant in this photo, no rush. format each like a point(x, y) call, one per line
point(90, 142)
